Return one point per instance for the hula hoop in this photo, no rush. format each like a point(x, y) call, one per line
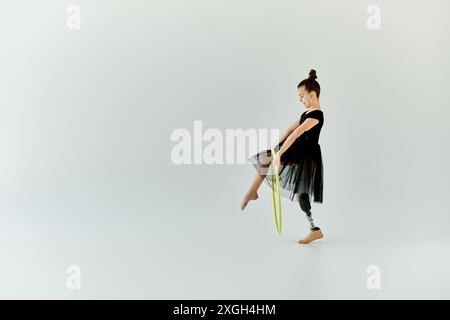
point(277, 224)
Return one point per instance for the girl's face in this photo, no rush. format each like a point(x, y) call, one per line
point(306, 97)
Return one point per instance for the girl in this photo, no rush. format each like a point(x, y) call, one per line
point(298, 158)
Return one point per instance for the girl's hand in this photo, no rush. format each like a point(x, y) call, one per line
point(276, 159)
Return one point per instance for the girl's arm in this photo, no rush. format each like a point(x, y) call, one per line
point(305, 126)
point(289, 130)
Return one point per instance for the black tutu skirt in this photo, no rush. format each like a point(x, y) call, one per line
point(300, 170)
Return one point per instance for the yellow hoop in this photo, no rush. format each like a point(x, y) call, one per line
point(277, 224)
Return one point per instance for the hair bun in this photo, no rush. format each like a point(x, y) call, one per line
point(312, 74)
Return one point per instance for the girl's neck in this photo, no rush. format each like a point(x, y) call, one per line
point(316, 107)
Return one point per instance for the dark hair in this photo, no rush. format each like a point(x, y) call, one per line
point(311, 84)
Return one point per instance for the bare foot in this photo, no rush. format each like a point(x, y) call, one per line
point(249, 196)
point(313, 235)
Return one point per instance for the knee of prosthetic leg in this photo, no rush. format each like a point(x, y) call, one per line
point(304, 202)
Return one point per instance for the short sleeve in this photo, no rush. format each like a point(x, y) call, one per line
point(316, 114)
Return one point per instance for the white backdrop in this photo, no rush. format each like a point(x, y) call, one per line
point(92, 205)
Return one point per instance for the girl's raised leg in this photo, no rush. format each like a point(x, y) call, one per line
point(252, 193)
